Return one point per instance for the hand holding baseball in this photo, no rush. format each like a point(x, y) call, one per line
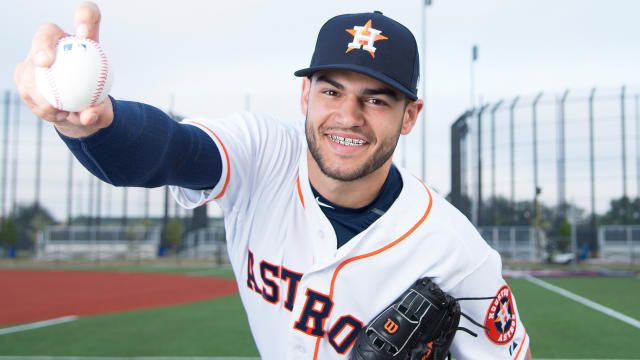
point(42, 54)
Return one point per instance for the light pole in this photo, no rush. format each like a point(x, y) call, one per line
point(472, 85)
point(427, 3)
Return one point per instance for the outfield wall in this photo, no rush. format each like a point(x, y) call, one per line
point(98, 242)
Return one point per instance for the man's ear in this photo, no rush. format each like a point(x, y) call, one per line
point(411, 116)
point(304, 97)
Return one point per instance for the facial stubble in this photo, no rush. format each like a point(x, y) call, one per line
point(372, 163)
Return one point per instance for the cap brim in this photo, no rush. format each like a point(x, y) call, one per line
point(362, 70)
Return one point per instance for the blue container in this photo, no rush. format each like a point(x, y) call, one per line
point(584, 252)
point(12, 252)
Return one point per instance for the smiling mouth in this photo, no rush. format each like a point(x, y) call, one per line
point(346, 141)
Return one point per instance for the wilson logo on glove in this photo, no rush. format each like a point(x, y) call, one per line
point(390, 326)
point(419, 325)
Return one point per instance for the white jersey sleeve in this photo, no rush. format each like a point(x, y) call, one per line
point(253, 147)
point(503, 336)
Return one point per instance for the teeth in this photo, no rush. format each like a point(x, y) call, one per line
point(346, 141)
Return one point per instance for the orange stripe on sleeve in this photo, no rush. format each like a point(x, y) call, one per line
point(521, 345)
point(226, 155)
point(376, 252)
point(300, 191)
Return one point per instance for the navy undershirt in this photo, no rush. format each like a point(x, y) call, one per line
point(349, 222)
point(144, 147)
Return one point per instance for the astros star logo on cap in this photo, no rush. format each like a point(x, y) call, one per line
point(384, 50)
point(364, 37)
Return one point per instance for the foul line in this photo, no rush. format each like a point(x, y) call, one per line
point(38, 324)
point(608, 311)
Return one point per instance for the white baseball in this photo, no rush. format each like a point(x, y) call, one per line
point(80, 75)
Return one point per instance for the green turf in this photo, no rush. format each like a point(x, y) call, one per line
point(621, 294)
point(562, 328)
point(225, 272)
point(209, 328)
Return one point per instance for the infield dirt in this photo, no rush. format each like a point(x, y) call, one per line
point(34, 295)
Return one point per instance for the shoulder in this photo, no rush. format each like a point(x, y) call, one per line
point(458, 248)
point(467, 243)
point(257, 151)
point(442, 217)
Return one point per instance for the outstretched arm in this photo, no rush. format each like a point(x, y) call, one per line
point(144, 147)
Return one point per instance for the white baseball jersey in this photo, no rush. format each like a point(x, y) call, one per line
point(306, 298)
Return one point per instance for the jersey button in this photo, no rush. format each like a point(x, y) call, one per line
point(321, 234)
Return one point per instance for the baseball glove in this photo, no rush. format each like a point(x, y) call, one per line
point(419, 325)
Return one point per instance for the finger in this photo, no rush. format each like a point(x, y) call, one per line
point(32, 98)
point(88, 116)
point(20, 79)
point(86, 20)
point(43, 45)
point(17, 78)
point(55, 116)
point(96, 116)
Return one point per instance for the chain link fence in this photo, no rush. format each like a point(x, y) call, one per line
point(516, 243)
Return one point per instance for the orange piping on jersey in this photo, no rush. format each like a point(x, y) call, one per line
point(521, 345)
point(226, 155)
point(376, 252)
point(300, 191)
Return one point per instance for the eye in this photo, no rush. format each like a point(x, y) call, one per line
point(376, 101)
point(330, 92)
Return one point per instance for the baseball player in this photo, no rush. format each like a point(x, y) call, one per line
point(324, 232)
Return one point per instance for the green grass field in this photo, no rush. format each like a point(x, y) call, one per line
point(560, 328)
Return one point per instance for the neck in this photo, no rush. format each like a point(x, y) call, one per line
point(350, 194)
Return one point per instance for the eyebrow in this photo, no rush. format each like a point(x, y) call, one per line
point(325, 78)
point(382, 91)
point(379, 91)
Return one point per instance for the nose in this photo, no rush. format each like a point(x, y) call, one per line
point(351, 112)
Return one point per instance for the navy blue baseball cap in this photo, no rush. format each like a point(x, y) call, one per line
point(371, 44)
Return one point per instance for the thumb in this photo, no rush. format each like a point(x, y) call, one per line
point(86, 20)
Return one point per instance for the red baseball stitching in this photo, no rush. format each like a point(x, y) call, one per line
point(54, 87)
point(104, 72)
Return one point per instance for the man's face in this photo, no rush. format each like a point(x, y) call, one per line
point(353, 122)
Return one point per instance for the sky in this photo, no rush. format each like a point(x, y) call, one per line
point(211, 58)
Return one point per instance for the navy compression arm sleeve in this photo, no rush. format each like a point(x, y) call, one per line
point(144, 147)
